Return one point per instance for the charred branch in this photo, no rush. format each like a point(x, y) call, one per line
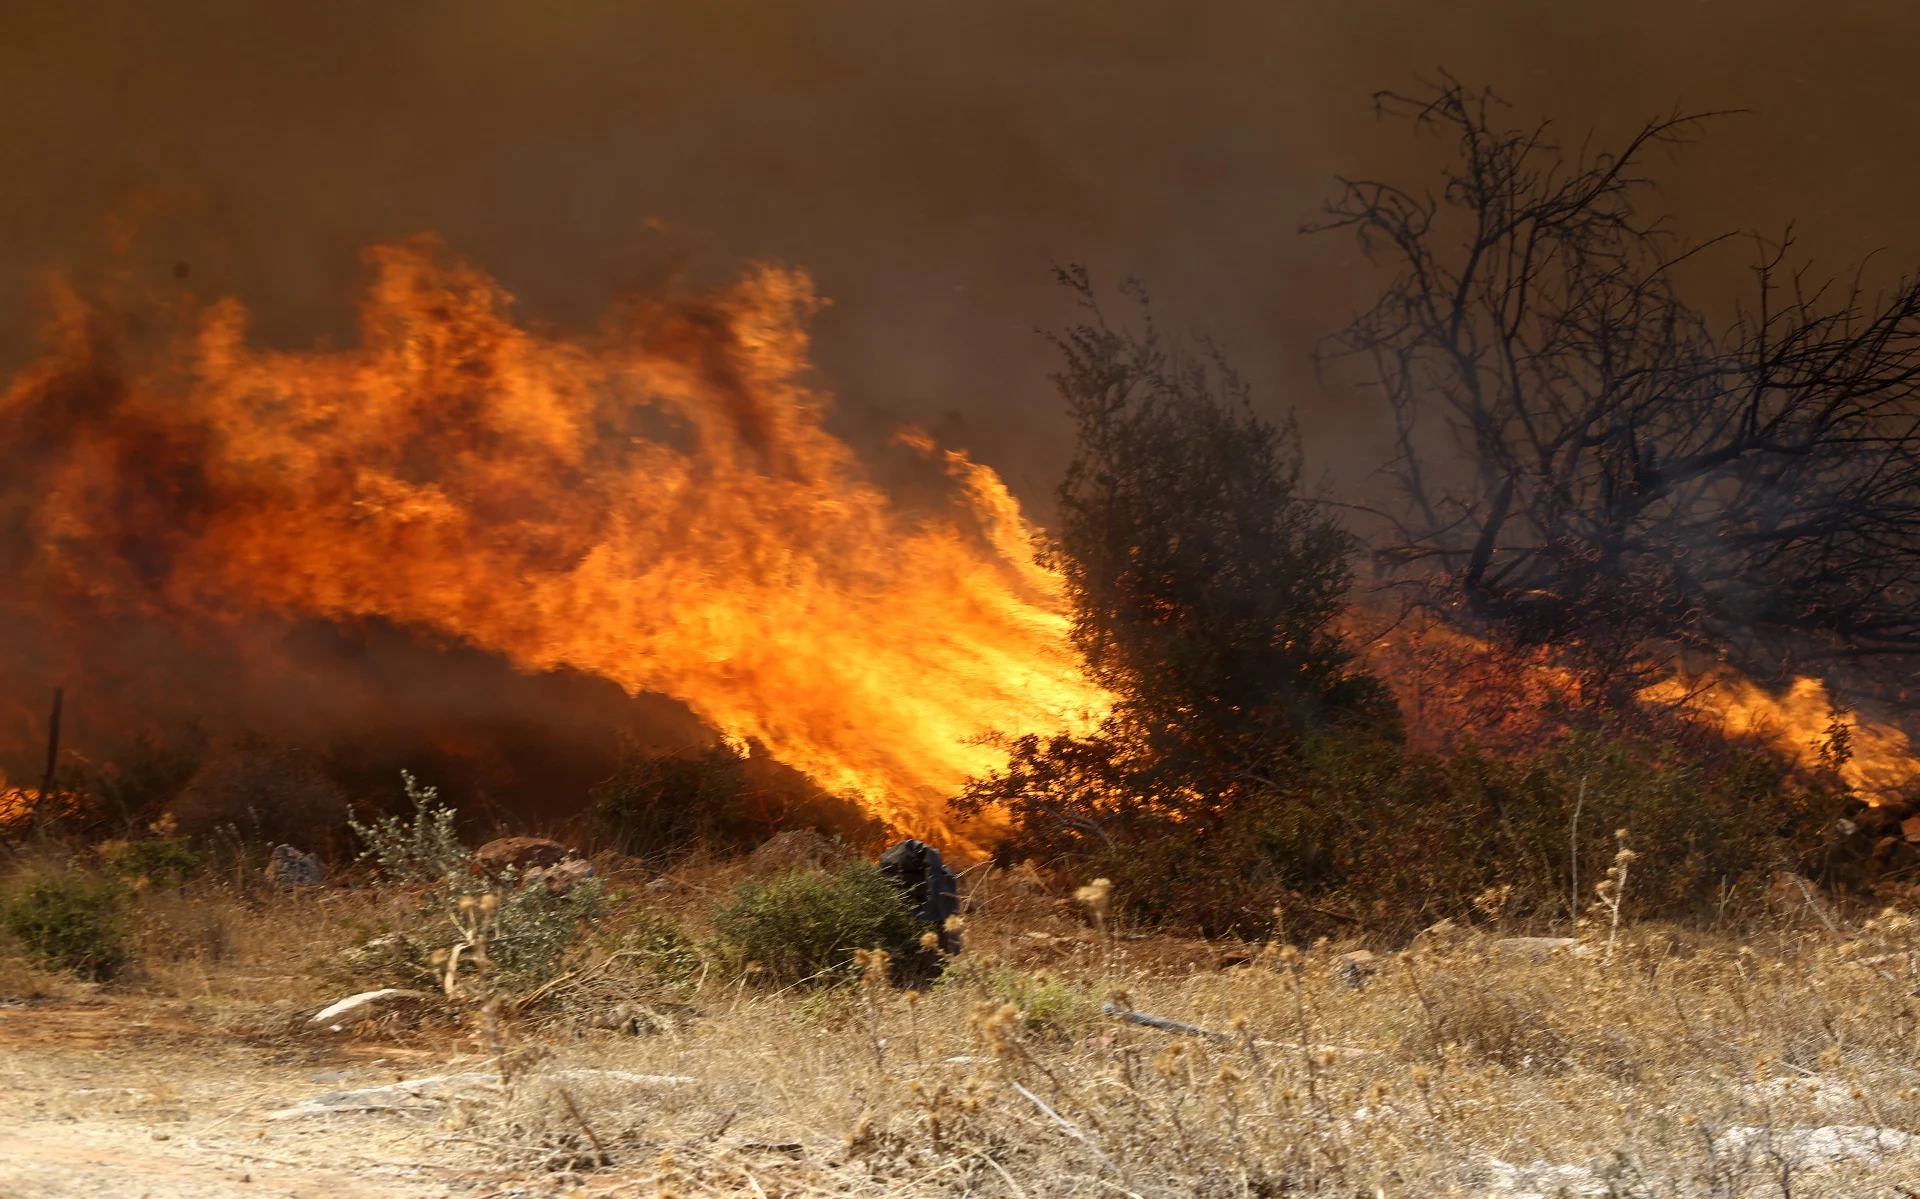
point(1585, 458)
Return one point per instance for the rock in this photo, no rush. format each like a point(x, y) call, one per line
point(521, 854)
point(421, 1094)
point(1534, 950)
point(561, 877)
point(273, 795)
point(1827, 1096)
point(381, 954)
point(290, 868)
point(794, 849)
point(365, 1006)
point(629, 1018)
point(411, 1095)
point(1356, 968)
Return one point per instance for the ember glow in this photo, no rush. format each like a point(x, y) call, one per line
point(1452, 686)
point(657, 503)
point(1796, 722)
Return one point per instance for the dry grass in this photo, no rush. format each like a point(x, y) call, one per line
point(1682, 1065)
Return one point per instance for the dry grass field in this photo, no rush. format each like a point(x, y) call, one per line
point(1469, 1063)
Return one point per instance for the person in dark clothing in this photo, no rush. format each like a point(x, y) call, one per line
point(915, 867)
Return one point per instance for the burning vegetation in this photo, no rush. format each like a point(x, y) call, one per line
point(1585, 826)
point(1638, 558)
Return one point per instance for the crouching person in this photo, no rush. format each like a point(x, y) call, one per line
point(915, 867)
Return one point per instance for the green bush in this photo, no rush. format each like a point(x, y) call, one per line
point(166, 862)
point(1047, 1005)
point(805, 925)
point(659, 946)
point(73, 923)
point(529, 930)
point(422, 849)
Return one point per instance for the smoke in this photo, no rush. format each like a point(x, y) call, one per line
point(924, 161)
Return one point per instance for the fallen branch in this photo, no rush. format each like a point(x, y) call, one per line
point(1129, 1016)
point(1072, 1129)
point(394, 1096)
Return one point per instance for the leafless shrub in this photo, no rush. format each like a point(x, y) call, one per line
point(1586, 457)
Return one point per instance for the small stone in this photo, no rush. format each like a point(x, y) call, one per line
point(291, 869)
point(794, 849)
point(1356, 968)
point(1445, 934)
point(561, 877)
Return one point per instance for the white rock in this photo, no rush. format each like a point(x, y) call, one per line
point(422, 1094)
point(1828, 1096)
point(394, 1097)
point(364, 1006)
point(1543, 1180)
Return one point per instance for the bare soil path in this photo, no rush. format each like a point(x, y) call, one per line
point(138, 1099)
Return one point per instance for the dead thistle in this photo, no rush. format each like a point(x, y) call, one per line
point(1097, 897)
point(873, 966)
point(1612, 890)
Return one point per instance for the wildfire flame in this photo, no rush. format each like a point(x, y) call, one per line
point(1796, 722)
point(16, 803)
point(658, 503)
point(1452, 685)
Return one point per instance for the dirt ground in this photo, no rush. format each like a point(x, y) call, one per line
point(133, 1098)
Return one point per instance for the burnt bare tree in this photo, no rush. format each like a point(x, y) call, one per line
point(1585, 458)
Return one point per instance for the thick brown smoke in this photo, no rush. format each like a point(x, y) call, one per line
point(924, 161)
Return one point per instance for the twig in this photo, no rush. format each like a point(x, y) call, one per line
point(566, 1096)
point(1128, 1015)
point(1163, 1024)
point(1806, 893)
point(988, 1158)
point(53, 759)
point(1573, 855)
point(1072, 1129)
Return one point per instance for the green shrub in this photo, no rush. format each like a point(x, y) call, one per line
point(423, 849)
point(534, 928)
point(73, 923)
point(658, 945)
point(1047, 1005)
point(166, 862)
point(529, 930)
point(805, 925)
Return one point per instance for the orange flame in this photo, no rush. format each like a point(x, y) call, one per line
point(1451, 685)
point(1797, 722)
point(16, 804)
point(658, 503)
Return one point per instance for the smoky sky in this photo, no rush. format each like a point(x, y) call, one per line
point(925, 160)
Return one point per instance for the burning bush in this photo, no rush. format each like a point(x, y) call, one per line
point(659, 806)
